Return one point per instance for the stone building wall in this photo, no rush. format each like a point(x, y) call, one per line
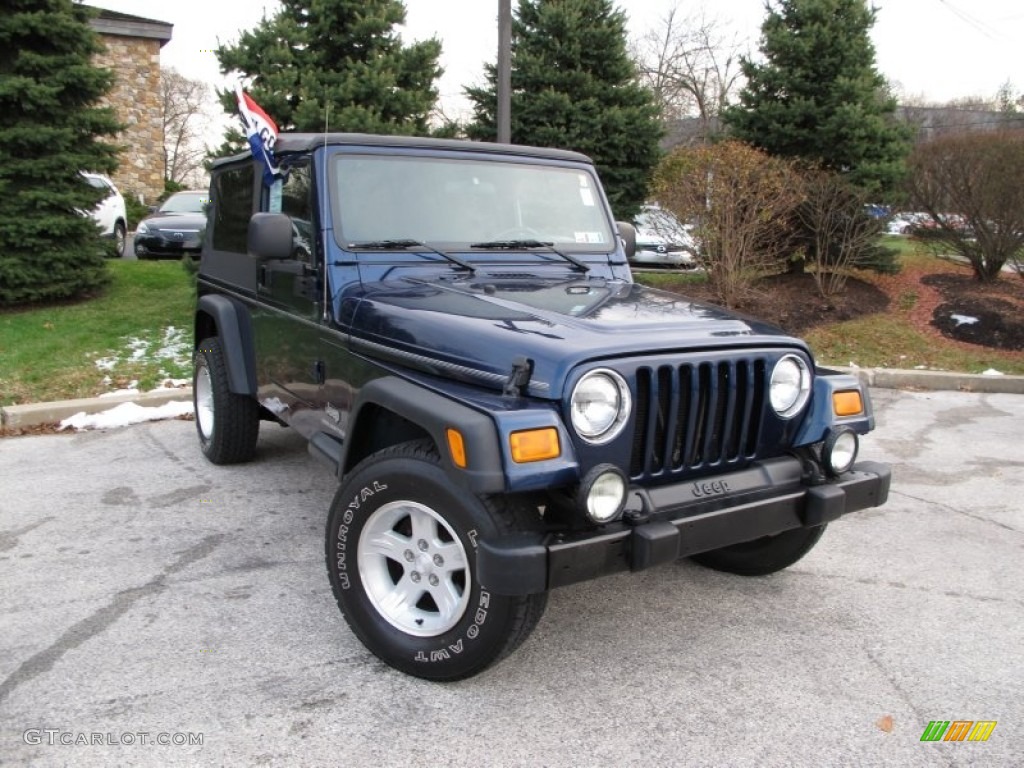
point(137, 103)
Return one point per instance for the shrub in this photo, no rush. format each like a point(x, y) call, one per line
point(737, 195)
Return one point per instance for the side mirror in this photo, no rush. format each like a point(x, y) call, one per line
point(270, 236)
point(628, 234)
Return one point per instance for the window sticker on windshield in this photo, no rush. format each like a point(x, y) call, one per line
point(584, 181)
point(589, 237)
point(587, 197)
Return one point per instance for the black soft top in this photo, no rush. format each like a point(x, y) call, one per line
point(305, 142)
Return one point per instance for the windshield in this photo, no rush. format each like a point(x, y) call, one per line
point(459, 202)
point(659, 223)
point(193, 202)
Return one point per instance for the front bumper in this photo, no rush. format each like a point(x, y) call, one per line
point(159, 244)
point(679, 520)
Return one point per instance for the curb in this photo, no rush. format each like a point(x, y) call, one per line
point(35, 414)
point(940, 381)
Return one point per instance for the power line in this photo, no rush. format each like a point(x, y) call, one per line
point(980, 26)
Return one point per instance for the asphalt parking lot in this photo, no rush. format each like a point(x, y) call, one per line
point(146, 595)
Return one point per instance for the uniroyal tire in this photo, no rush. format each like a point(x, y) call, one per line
point(228, 424)
point(762, 556)
point(401, 555)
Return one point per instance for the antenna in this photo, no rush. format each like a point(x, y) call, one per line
point(325, 187)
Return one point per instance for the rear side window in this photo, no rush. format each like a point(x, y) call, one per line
point(232, 194)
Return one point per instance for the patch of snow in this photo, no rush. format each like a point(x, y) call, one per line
point(169, 383)
point(125, 414)
point(175, 346)
point(992, 372)
point(964, 320)
point(139, 348)
point(106, 363)
point(274, 405)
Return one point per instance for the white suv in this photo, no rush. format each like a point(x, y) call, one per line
point(109, 213)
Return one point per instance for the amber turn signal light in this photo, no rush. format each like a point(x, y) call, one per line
point(534, 445)
point(457, 448)
point(847, 403)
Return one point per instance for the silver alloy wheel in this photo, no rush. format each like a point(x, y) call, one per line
point(204, 401)
point(414, 568)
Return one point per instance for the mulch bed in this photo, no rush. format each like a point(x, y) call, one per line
point(989, 314)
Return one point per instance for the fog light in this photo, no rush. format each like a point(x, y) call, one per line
point(839, 451)
point(602, 493)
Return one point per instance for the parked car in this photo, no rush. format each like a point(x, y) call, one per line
point(175, 228)
point(662, 240)
point(457, 335)
point(109, 213)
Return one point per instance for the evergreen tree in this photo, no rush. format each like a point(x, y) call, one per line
point(818, 96)
point(574, 86)
point(50, 130)
point(341, 54)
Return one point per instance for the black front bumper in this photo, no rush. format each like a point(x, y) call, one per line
point(680, 520)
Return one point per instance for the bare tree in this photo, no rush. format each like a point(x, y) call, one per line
point(840, 231)
point(691, 64)
point(184, 102)
point(738, 195)
point(970, 185)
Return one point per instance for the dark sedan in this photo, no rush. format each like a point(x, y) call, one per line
point(173, 229)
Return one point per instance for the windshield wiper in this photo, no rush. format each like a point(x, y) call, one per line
point(389, 245)
point(530, 244)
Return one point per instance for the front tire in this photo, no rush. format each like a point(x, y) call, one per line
point(228, 424)
point(762, 556)
point(400, 549)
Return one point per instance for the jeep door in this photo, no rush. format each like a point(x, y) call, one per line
point(287, 320)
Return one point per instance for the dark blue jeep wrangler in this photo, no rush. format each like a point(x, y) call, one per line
point(454, 328)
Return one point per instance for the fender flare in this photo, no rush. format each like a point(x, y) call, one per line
point(234, 328)
point(435, 414)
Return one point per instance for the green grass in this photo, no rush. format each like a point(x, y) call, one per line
point(887, 341)
point(51, 352)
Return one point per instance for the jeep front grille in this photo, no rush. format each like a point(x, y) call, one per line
point(697, 416)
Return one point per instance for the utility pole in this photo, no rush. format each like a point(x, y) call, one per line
point(504, 116)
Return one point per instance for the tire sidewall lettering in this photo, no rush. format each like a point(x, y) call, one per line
point(341, 539)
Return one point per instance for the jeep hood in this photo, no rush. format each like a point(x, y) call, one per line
point(477, 328)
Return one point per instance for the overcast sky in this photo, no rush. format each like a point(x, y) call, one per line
point(939, 49)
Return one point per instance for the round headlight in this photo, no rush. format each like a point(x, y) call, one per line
point(790, 386)
point(600, 406)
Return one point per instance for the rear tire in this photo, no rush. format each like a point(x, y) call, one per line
point(762, 556)
point(400, 550)
point(228, 424)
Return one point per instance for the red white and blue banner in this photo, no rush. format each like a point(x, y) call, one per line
point(261, 132)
